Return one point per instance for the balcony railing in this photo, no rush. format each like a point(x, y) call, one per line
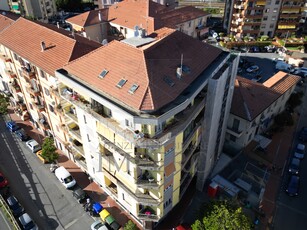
point(75, 133)
point(10, 73)
point(78, 148)
point(33, 91)
point(28, 73)
point(39, 107)
point(235, 132)
point(71, 115)
point(149, 183)
point(148, 215)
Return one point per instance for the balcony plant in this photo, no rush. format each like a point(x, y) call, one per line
point(49, 151)
point(3, 104)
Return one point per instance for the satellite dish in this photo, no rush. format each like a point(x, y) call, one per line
point(136, 31)
point(215, 35)
point(104, 42)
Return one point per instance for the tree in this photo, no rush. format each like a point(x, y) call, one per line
point(3, 104)
point(130, 226)
point(222, 215)
point(49, 151)
point(69, 5)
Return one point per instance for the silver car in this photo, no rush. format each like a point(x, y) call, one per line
point(299, 151)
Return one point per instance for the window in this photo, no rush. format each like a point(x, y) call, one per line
point(277, 2)
point(51, 108)
point(250, 136)
point(103, 73)
point(84, 118)
point(43, 75)
point(31, 106)
point(15, 56)
point(265, 18)
point(126, 122)
point(121, 83)
point(168, 81)
point(47, 91)
point(133, 88)
point(267, 11)
point(275, 10)
point(190, 23)
point(271, 26)
point(88, 138)
point(273, 18)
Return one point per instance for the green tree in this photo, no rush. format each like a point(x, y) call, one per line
point(3, 104)
point(70, 5)
point(49, 151)
point(130, 226)
point(222, 215)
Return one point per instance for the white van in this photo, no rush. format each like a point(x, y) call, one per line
point(64, 176)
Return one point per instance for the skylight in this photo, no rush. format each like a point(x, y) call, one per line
point(103, 73)
point(133, 88)
point(169, 81)
point(121, 83)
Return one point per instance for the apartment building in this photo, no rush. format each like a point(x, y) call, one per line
point(142, 116)
point(41, 10)
point(132, 18)
point(255, 105)
point(30, 54)
point(148, 115)
point(101, 4)
point(262, 17)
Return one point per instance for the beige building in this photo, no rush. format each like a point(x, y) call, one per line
point(101, 4)
point(255, 105)
point(133, 18)
point(41, 10)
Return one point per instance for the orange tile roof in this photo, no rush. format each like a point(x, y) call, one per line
point(6, 19)
point(89, 18)
point(147, 67)
point(251, 98)
point(150, 15)
point(24, 37)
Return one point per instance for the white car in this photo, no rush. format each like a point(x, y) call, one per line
point(299, 151)
point(252, 69)
point(98, 225)
point(26, 222)
point(33, 146)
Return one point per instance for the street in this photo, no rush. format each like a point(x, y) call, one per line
point(291, 212)
point(44, 198)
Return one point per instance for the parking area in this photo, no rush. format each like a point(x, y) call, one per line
point(264, 62)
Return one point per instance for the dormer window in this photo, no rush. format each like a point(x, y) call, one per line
point(121, 83)
point(103, 73)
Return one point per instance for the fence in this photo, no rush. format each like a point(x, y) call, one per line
point(9, 215)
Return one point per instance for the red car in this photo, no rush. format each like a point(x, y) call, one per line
point(183, 227)
point(3, 181)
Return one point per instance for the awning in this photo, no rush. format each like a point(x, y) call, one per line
point(104, 214)
point(168, 170)
point(110, 219)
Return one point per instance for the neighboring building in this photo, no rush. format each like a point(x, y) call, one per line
point(132, 18)
point(40, 10)
point(101, 4)
point(147, 115)
point(91, 24)
point(263, 17)
point(303, 20)
point(4, 5)
point(32, 54)
point(255, 105)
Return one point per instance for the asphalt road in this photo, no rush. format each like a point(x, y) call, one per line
point(291, 212)
point(265, 63)
point(44, 198)
point(4, 223)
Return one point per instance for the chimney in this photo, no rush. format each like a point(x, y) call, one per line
point(43, 45)
point(99, 16)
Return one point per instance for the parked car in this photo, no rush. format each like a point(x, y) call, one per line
point(293, 185)
point(299, 151)
point(12, 126)
point(3, 181)
point(14, 205)
point(33, 146)
point(294, 166)
point(22, 135)
point(303, 134)
point(26, 222)
point(183, 227)
point(79, 194)
point(98, 225)
point(252, 69)
point(301, 73)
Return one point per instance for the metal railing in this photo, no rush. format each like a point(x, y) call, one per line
point(9, 215)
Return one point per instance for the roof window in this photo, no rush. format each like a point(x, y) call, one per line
point(133, 88)
point(103, 73)
point(168, 81)
point(121, 83)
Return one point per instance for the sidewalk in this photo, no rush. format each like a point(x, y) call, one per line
point(92, 189)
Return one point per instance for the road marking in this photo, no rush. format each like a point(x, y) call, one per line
point(70, 224)
point(292, 209)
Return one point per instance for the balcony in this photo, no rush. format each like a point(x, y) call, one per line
point(139, 140)
point(16, 88)
point(33, 91)
point(70, 113)
point(10, 73)
point(233, 131)
point(80, 161)
point(187, 154)
point(254, 16)
point(43, 124)
point(78, 147)
point(74, 131)
point(147, 181)
point(39, 107)
point(5, 58)
point(239, 6)
point(54, 91)
point(28, 73)
point(148, 214)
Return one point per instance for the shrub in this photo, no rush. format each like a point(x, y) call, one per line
point(49, 150)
